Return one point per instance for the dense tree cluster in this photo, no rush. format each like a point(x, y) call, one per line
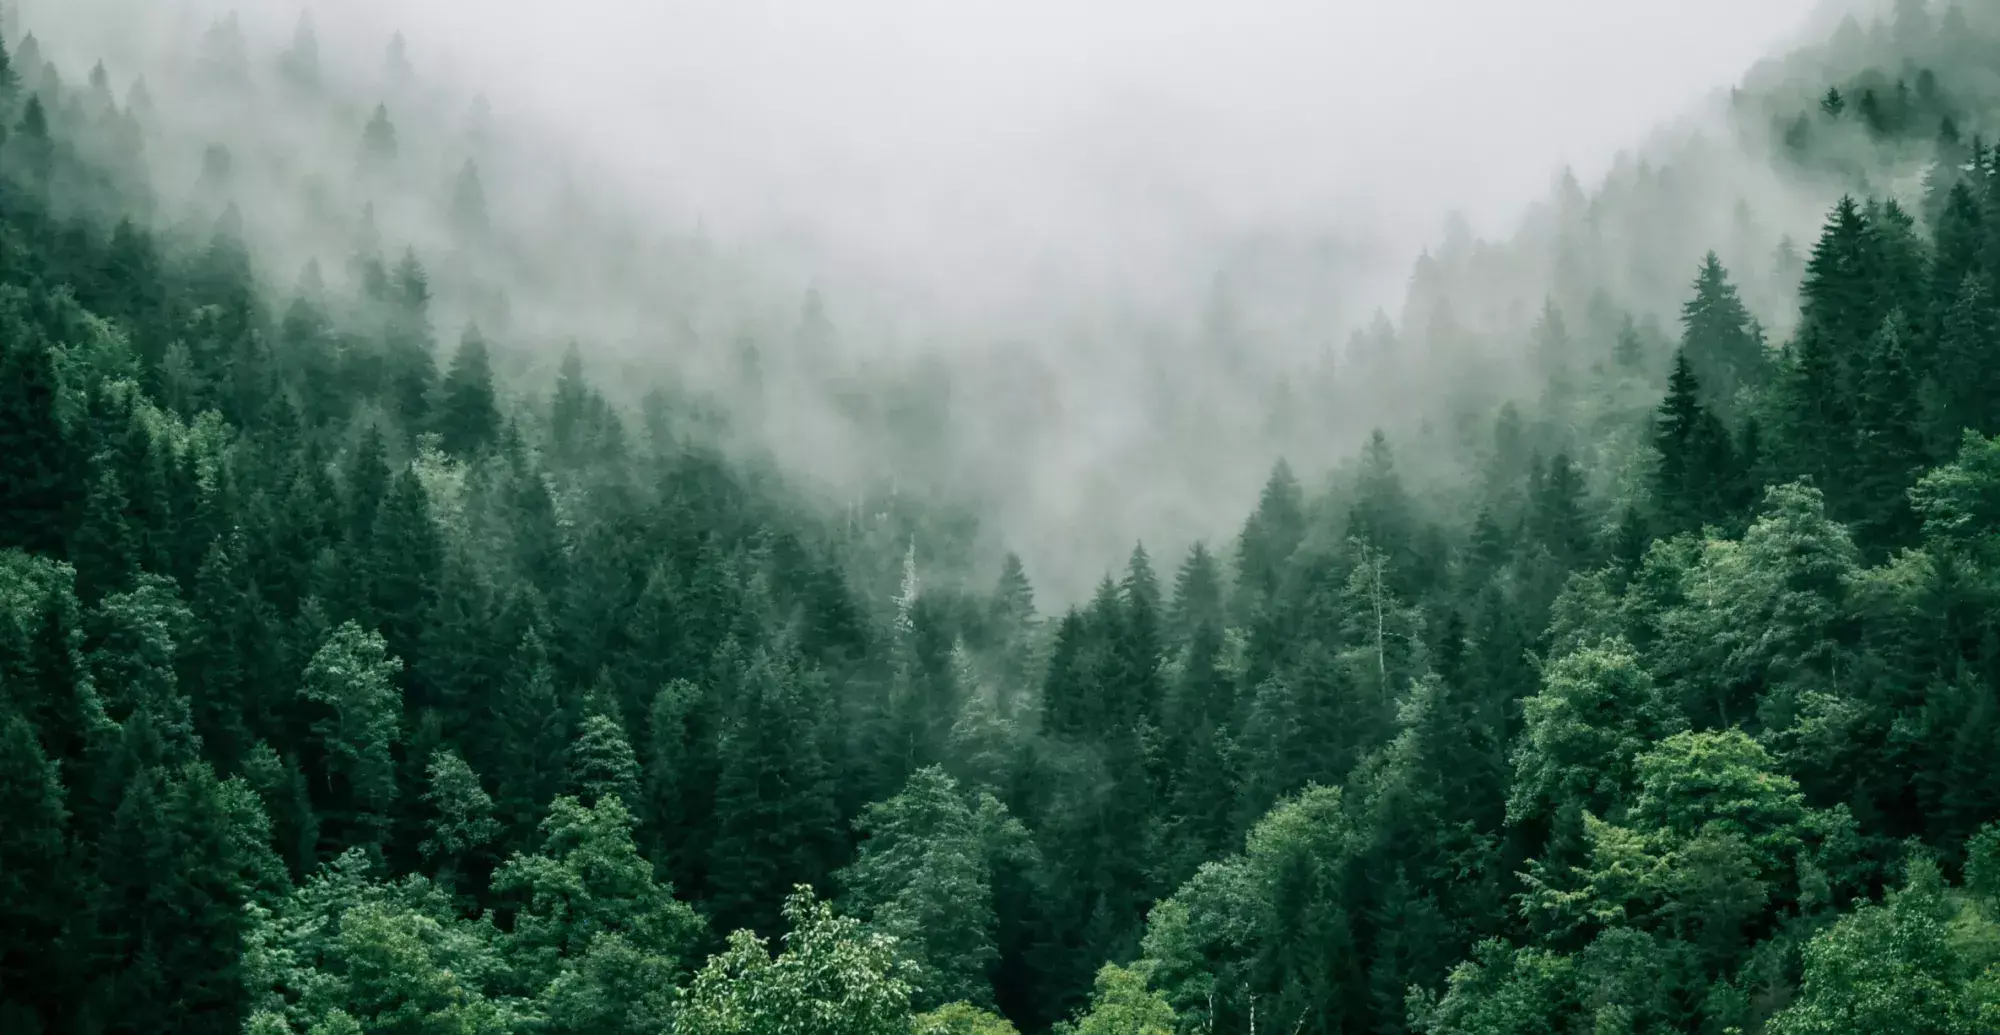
point(344, 689)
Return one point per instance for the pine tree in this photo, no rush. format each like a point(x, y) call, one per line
point(1890, 444)
point(1719, 339)
point(1268, 539)
point(1199, 599)
point(405, 561)
point(356, 725)
point(569, 407)
point(1139, 644)
point(214, 657)
point(189, 853)
point(307, 341)
point(409, 350)
point(468, 415)
point(33, 150)
point(287, 796)
point(469, 218)
point(1696, 461)
point(1845, 297)
point(10, 80)
point(40, 485)
point(36, 889)
point(105, 548)
point(775, 817)
point(1961, 392)
point(1558, 516)
point(527, 758)
point(300, 64)
point(1014, 600)
point(923, 874)
point(378, 141)
point(55, 692)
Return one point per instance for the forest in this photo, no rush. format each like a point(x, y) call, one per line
point(361, 674)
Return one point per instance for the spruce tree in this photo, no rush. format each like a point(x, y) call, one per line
point(409, 349)
point(1274, 530)
point(1961, 392)
point(527, 759)
point(1719, 339)
point(468, 417)
point(469, 218)
point(356, 715)
point(1890, 440)
point(378, 141)
point(214, 657)
point(405, 560)
point(36, 887)
point(104, 548)
point(40, 477)
point(775, 817)
point(1696, 466)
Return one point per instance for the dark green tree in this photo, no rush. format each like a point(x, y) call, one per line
point(41, 479)
point(468, 416)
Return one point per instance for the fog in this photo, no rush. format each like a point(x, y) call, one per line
point(1101, 235)
point(966, 146)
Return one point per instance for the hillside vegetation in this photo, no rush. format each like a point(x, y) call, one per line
point(360, 674)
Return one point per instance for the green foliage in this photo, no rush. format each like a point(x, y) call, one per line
point(1121, 1004)
point(833, 977)
point(924, 875)
point(961, 1019)
point(1597, 710)
point(356, 726)
point(1925, 960)
point(601, 763)
point(1603, 689)
point(588, 879)
point(462, 814)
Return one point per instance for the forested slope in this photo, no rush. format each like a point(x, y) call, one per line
point(1649, 683)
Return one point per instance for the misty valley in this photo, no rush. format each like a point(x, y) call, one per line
point(446, 589)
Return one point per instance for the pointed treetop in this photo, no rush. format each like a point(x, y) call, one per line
point(378, 139)
point(312, 283)
point(9, 79)
point(397, 61)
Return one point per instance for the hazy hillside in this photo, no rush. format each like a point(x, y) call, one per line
point(444, 591)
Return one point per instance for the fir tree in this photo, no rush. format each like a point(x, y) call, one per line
point(1696, 461)
point(468, 415)
point(1719, 339)
point(774, 808)
point(36, 891)
point(378, 141)
point(357, 710)
point(469, 217)
point(39, 475)
point(104, 548)
point(1890, 447)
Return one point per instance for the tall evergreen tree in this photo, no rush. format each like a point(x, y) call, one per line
point(356, 725)
point(1720, 340)
point(1697, 465)
point(468, 415)
point(774, 801)
point(40, 483)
